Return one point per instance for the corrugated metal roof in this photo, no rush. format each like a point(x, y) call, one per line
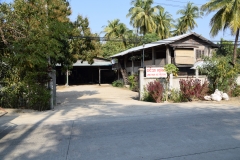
point(160, 42)
point(96, 63)
point(85, 63)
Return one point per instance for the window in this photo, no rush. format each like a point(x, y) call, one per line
point(199, 54)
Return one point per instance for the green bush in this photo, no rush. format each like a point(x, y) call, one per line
point(147, 97)
point(30, 93)
point(133, 81)
point(117, 83)
point(221, 74)
point(235, 91)
point(176, 96)
point(10, 96)
point(37, 102)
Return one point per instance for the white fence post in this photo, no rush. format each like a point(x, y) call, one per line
point(171, 81)
point(141, 83)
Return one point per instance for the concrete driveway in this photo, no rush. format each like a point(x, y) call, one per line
point(101, 122)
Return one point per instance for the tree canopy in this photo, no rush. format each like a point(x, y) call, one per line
point(226, 16)
point(35, 35)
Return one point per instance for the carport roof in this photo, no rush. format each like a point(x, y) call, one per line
point(163, 42)
point(97, 62)
point(85, 63)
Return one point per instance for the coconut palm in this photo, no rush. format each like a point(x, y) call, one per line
point(163, 23)
point(178, 28)
point(189, 14)
point(115, 29)
point(142, 15)
point(226, 16)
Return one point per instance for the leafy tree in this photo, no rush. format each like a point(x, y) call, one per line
point(110, 48)
point(83, 46)
point(142, 15)
point(226, 48)
point(189, 14)
point(117, 30)
point(221, 74)
point(150, 37)
point(34, 38)
point(226, 16)
point(163, 23)
point(178, 28)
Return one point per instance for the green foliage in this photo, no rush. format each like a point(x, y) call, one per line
point(163, 22)
point(142, 15)
point(118, 83)
point(226, 16)
point(176, 96)
point(147, 97)
point(110, 48)
point(34, 37)
point(226, 48)
point(187, 20)
point(84, 48)
point(133, 81)
point(171, 68)
point(27, 93)
point(150, 37)
point(235, 92)
point(193, 89)
point(117, 30)
point(221, 74)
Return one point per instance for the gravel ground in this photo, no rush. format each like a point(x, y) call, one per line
point(107, 94)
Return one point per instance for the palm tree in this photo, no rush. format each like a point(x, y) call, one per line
point(189, 14)
point(163, 23)
point(178, 28)
point(226, 16)
point(115, 29)
point(142, 15)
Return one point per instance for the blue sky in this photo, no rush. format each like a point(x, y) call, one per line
point(100, 11)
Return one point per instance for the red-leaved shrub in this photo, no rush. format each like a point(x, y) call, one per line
point(192, 88)
point(155, 89)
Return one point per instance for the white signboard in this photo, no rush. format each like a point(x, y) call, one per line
point(156, 72)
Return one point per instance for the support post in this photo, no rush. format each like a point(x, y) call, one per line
point(54, 87)
point(141, 83)
point(99, 80)
point(67, 73)
point(168, 56)
point(51, 90)
point(196, 73)
point(132, 67)
point(170, 81)
point(125, 62)
point(153, 56)
point(143, 56)
point(118, 72)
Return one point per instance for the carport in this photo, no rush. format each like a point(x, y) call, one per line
point(84, 73)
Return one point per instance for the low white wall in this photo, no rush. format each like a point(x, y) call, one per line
point(175, 85)
point(238, 80)
point(176, 80)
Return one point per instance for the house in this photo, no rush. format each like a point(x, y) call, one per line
point(183, 51)
point(84, 73)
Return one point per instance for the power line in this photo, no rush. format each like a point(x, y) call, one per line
point(185, 2)
point(173, 5)
point(133, 40)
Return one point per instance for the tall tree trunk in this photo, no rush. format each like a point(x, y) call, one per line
point(235, 47)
